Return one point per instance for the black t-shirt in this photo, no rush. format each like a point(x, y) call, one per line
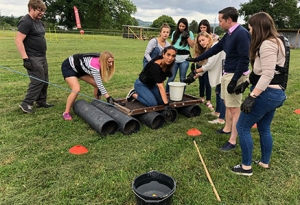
point(35, 42)
point(153, 74)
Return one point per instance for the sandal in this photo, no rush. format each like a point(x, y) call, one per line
point(259, 163)
point(210, 106)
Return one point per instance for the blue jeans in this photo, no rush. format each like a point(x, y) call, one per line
point(183, 67)
point(220, 106)
point(204, 86)
point(148, 96)
point(262, 113)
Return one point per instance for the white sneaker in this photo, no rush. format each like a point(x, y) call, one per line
point(129, 97)
point(217, 121)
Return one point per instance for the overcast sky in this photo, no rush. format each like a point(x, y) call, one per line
point(149, 10)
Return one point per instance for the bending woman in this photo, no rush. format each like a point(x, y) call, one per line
point(91, 69)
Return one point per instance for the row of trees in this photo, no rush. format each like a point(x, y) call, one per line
point(8, 22)
point(112, 14)
point(94, 14)
point(193, 26)
point(284, 12)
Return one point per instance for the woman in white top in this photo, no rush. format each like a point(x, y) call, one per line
point(212, 65)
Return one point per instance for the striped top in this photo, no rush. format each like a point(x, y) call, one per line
point(93, 69)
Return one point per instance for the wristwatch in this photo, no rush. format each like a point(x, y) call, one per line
point(253, 95)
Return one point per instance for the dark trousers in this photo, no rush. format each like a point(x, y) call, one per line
point(220, 106)
point(204, 86)
point(37, 88)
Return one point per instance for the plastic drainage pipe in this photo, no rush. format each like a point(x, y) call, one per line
point(190, 111)
point(97, 119)
point(127, 124)
point(171, 118)
point(154, 120)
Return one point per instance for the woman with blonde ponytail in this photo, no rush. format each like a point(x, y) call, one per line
point(92, 68)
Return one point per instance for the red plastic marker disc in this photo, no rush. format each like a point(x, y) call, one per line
point(194, 132)
point(78, 149)
point(297, 111)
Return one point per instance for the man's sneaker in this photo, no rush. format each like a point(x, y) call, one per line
point(238, 169)
point(26, 108)
point(67, 116)
point(44, 105)
point(227, 147)
point(129, 97)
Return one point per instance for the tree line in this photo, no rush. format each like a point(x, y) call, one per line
point(112, 14)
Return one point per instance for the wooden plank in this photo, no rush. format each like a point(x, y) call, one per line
point(136, 108)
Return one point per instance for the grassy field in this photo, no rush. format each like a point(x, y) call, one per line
point(37, 168)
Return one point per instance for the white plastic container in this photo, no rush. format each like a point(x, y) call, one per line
point(176, 90)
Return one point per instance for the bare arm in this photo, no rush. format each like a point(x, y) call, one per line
point(163, 93)
point(20, 45)
point(191, 42)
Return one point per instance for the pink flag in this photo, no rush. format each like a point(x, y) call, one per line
point(78, 25)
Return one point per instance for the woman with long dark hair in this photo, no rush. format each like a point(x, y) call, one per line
point(149, 87)
point(182, 39)
point(267, 53)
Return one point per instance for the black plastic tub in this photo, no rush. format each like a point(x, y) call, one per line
point(154, 188)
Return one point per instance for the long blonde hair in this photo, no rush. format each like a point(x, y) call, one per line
point(198, 49)
point(106, 71)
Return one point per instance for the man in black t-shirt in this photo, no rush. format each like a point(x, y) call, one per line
point(31, 44)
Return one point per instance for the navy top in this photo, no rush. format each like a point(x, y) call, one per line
point(236, 47)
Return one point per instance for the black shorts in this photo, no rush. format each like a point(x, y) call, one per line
point(67, 70)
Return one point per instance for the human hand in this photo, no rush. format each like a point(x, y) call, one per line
point(110, 100)
point(190, 77)
point(99, 93)
point(189, 80)
point(185, 34)
point(190, 59)
point(168, 111)
point(231, 86)
point(27, 64)
point(247, 105)
point(241, 88)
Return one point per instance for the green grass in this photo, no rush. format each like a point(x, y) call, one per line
point(36, 167)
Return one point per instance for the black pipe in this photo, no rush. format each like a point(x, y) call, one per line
point(190, 111)
point(170, 118)
point(127, 124)
point(154, 120)
point(97, 119)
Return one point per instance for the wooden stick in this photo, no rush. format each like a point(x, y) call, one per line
point(122, 108)
point(207, 173)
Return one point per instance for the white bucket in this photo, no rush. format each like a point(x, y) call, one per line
point(176, 90)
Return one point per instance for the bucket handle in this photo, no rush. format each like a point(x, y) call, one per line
point(154, 174)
